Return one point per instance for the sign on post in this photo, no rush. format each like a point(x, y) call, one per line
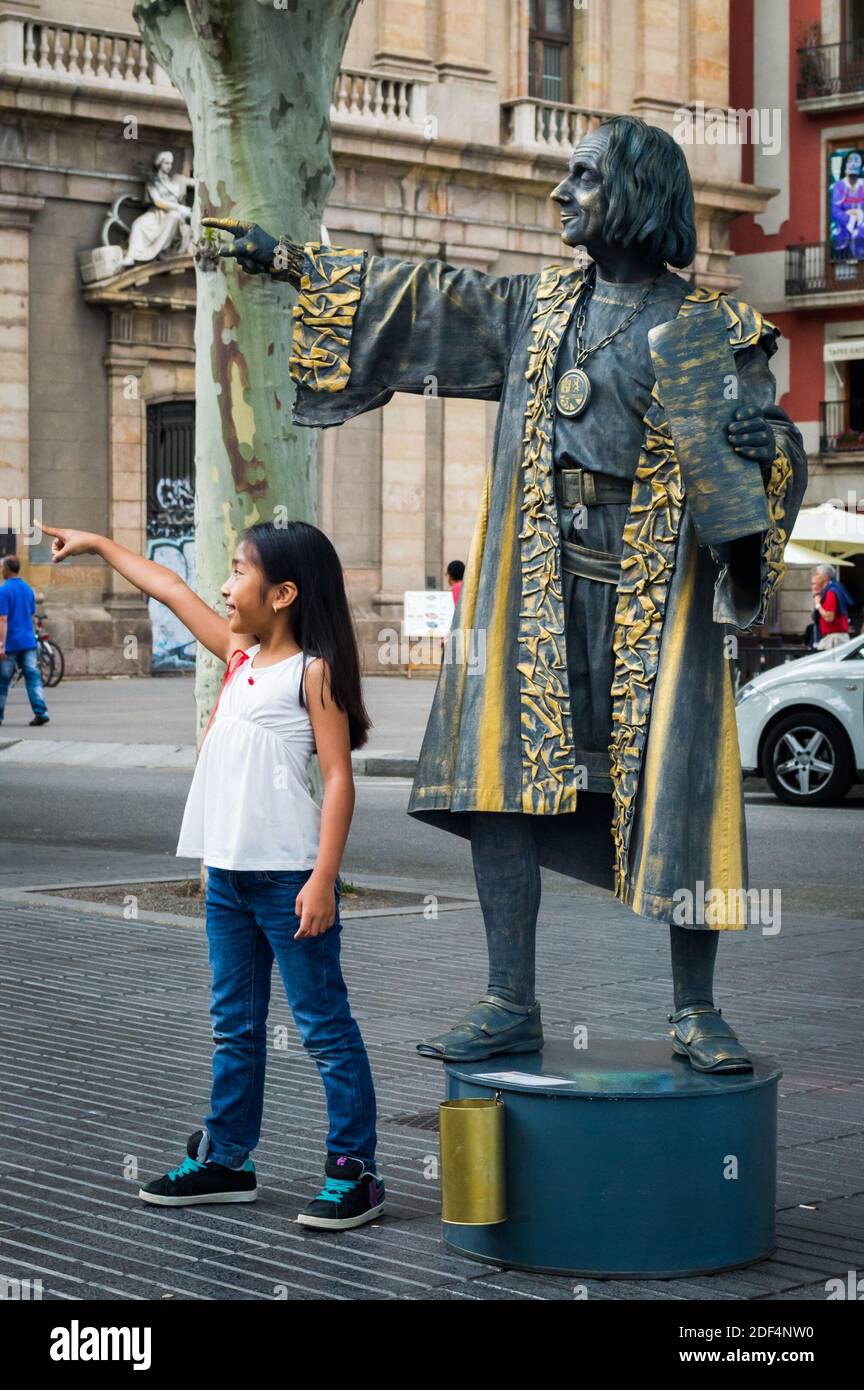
point(427, 618)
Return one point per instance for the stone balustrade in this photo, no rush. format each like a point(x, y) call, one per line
point(71, 57)
point(376, 99)
point(529, 123)
point(77, 59)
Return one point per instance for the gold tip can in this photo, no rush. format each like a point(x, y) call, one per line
point(473, 1183)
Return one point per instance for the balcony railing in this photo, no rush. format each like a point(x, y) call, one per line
point(73, 58)
point(841, 426)
point(379, 100)
point(530, 123)
point(831, 69)
point(43, 53)
point(821, 269)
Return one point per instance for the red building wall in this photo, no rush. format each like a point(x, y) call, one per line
point(807, 221)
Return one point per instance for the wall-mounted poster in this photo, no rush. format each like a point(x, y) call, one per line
point(846, 204)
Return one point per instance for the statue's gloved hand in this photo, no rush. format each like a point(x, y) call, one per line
point(256, 251)
point(751, 435)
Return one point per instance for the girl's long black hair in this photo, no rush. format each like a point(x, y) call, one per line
point(320, 617)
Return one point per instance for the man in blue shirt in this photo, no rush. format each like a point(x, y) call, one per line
point(18, 639)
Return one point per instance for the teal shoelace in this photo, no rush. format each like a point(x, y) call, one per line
point(189, 1165)
point(335, 1189)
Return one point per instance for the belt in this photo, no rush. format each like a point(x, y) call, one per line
point(580, 487)
point(602, 565)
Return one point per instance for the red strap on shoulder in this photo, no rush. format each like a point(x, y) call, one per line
point(236, 659)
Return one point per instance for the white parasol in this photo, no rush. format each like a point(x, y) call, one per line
point(829, 529)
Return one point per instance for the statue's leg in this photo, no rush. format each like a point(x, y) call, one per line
point(507, 1018)
point(694, 953)
point(700, 1033)
point(508, 885)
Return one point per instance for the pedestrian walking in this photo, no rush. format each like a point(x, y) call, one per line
point(455, 575)
point(18, 640)
point(831, 604)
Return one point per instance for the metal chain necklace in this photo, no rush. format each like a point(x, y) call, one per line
point(574, 387)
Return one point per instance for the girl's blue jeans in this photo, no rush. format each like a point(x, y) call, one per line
point(251, 921)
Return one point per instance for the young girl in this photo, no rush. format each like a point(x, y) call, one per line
point(292, 687)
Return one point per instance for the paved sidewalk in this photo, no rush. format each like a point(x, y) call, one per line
point(149, 723)
point(107, 1048)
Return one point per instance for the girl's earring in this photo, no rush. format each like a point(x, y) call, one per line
point(275, 608)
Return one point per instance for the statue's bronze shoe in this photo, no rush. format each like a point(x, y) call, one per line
point(490, 1026)
point(700, 1034)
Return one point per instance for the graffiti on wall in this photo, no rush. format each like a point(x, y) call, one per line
point(171, 542)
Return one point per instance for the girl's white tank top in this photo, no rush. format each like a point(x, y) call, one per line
point(249, 805)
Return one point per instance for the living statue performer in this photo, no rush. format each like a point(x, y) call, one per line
point(597, 737)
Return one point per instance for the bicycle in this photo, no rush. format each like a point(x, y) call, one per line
point(52, 663)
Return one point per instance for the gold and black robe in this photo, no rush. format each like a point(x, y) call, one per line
point(499, 736)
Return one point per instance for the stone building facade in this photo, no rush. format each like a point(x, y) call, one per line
point(451, 125)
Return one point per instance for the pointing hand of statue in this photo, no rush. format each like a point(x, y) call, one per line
point(256, 251)
point(751, 435)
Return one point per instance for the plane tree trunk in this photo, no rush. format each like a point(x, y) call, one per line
point(256, 76)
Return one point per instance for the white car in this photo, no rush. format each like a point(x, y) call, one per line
point(801, 726)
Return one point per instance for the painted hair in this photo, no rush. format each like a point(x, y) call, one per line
point(320, 617)
point(649, 192)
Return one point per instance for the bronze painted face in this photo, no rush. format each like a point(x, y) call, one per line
point(581, 194)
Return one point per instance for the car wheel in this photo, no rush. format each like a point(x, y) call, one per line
point(807, 760)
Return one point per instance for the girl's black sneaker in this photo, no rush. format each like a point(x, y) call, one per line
point(194, 1183)
point(351, 1196)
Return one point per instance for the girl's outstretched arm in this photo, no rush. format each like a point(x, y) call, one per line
point(316, 902)
point(158, 581)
